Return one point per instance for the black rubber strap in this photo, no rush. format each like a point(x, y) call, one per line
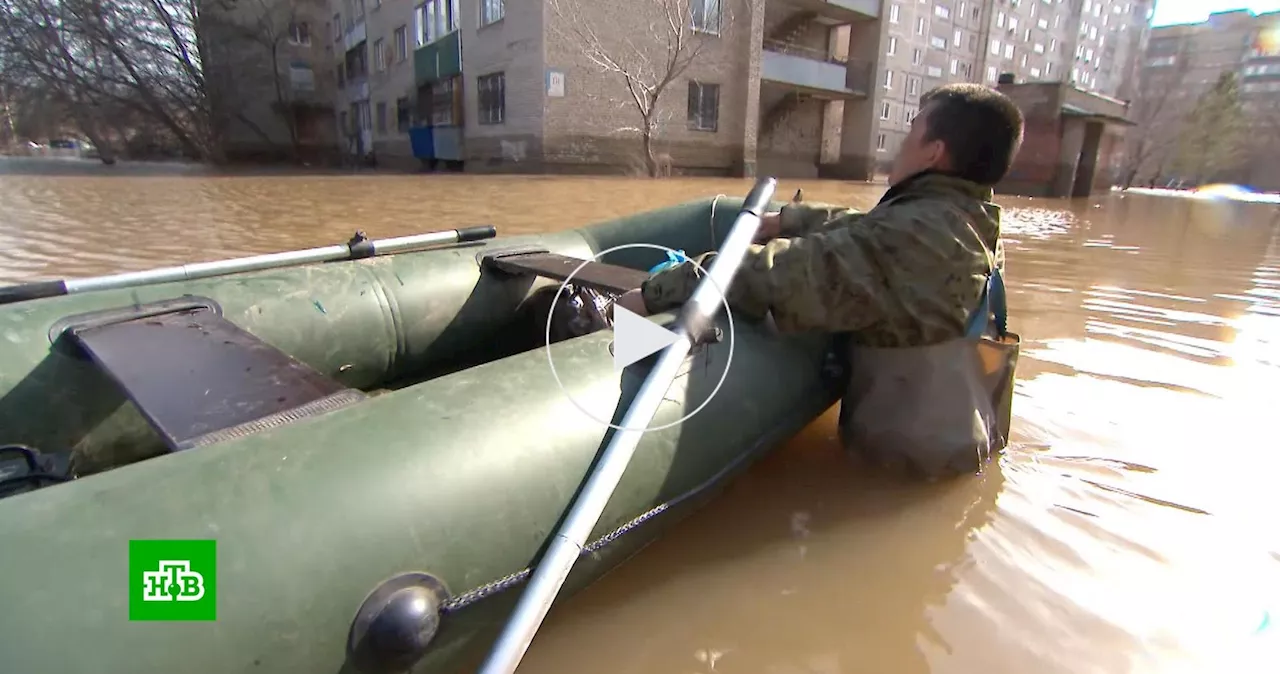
point(32, 291)
point(477, 233)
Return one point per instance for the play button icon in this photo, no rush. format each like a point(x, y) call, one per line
point(636, 338)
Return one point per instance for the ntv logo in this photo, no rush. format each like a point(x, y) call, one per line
point(173, 580)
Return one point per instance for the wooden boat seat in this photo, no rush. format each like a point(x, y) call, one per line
point(609, 278)
point(196, 377)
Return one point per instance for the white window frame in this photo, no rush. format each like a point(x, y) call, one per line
point(706, 16)
point(296, 34)
point(491, 11)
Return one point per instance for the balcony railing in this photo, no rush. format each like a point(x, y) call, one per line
point(816, 69)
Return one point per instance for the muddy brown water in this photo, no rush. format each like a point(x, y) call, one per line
point(1132, 526)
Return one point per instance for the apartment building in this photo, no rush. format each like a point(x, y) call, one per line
point(1182, 62)
point(497, 86)
point(1093, 44)
point(268, 76)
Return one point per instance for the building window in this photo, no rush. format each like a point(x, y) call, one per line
point(888, 79)
point(920, 26)
point(404, 115)
point(381, 116)
point(893, 14)
point(916, 57)
point(706, 15)
point(402, 43)
point(1013, 24)
point(493, 98)
point(1008, 51)
point(1048, 69)
point(491, 11)
point(300, 33)
point(955, 67)
point(960, 14)
point(977, 11)
point(1024, 59)
point(957, 39)
point(942, 11)
point(1053, 44)
point(884, 110)
point(337, 27)
point(1037, 48)
point(1035, 72)
point(380, 55)
point(933, 71)
point(880, 143)
point(436, 19)
point(908, 114)
point(995, 47)
point(704, 106)
point(937, 42)
point(1000, 20)
point(302, 77)
point(913, 86)
point(893, 46)
point(991, 73)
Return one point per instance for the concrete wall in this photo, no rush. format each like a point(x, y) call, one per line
point(1040, 160)
point(514, 46)
point(394, 81)
point(792, 146)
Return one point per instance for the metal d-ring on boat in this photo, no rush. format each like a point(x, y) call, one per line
point(567, 545)
point(358, 247)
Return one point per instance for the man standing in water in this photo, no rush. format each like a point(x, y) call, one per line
point(908, 274)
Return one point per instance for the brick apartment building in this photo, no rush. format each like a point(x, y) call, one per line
point(265, 68)
point(795, 88)
point(509, 87)
point(1094, 45)
point(1182, 62)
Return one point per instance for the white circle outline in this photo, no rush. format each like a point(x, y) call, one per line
point(723, 375)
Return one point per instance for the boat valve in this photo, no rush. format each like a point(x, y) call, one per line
point(396, 624)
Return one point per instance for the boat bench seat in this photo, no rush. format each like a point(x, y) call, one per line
point(609, 278)
point(196, 377)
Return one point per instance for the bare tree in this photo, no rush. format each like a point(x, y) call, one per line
point(93, 57)
point(1214, 134)
point(248, 31)
point(646, 58)
point(1156, 117)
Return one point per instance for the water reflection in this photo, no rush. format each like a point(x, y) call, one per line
point(1131, 527)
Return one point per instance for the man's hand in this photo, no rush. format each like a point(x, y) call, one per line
point(632, 301)
point(770, 228)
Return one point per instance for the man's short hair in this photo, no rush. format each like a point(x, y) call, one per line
point(980, 126)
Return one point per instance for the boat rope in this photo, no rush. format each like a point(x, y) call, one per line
point(509, 581)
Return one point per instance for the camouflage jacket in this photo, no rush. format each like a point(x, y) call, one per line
point(909, 272)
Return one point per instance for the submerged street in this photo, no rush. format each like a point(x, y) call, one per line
point(1129, 528)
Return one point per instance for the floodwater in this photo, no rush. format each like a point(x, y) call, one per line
point(1131, 527)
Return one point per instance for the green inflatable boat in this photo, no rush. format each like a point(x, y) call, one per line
point(212, 470)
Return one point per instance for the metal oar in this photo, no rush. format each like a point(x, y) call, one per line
point(358, 247)
point(567, 545)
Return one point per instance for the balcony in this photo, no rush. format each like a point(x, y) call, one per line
point(438, 60)
point(354, 36)
point(846, 11)
point(356, 89)
point(813, 71)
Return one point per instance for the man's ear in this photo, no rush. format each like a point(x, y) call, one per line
point(939, 158)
